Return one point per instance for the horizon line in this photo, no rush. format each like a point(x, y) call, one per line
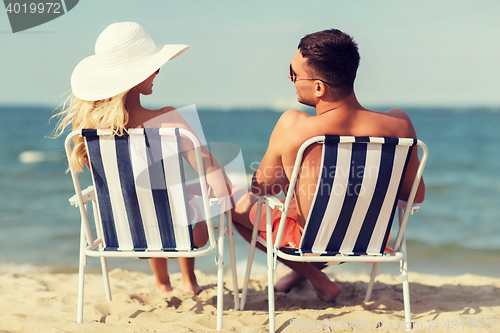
point(262, 108)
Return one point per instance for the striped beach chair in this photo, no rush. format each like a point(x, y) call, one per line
point(140, 203)
point(351, 216)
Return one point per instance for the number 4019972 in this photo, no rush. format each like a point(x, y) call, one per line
point(32, 8)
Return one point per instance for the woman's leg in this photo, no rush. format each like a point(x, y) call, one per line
point(159, 267)
point(200, 238)
point(188, 276)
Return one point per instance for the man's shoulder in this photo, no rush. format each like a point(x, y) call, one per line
point(289, 117)
point(288, 130)
point(401, 123)
point(290, 120)
point(397, 113)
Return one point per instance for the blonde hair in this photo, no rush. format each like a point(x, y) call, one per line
point(108, 113)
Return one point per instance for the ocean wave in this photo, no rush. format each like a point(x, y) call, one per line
point(454, 247)
point(241, 179)
point(33, 156)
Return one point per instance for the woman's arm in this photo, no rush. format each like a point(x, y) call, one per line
point(218, 182)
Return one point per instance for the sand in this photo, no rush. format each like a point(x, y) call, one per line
point(47, 302)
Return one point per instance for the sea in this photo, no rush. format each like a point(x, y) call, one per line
point(456, 231)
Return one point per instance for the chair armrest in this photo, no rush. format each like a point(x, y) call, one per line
point(402, 205)
point(213, 201)
point(224, 204)
point(273, 202)
point(87, 194)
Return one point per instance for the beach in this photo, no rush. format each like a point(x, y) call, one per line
point(47, 302)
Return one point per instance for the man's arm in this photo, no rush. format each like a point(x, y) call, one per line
point(270, 177)
point(411, 170)
point(279, 186)
point(266, 179)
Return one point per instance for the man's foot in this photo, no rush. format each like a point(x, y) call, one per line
point(330, 292)
point(288, 281)
point(327, 290)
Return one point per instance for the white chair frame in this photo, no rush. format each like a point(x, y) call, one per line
point(93, 247)
point(273, 252)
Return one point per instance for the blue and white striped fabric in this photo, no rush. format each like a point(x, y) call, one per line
point(140, 189)
point(356, 195)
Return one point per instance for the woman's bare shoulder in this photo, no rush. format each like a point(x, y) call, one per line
point(170, 117)
point(164, 117)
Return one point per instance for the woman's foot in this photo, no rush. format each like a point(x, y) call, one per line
point(159, 267)
point(192, 287)
point(164, 287)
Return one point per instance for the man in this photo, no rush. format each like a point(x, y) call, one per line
point(323, 72)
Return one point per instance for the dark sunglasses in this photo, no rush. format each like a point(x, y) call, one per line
point(294, 77)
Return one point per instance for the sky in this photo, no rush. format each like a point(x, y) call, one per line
point(443, 53)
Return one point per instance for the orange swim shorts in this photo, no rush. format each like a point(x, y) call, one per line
point(292, 233)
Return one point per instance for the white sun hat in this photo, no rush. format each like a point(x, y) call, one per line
point(125, 55)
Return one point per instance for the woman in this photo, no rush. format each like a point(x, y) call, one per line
point(106, 89)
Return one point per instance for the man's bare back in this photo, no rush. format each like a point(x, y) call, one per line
point(295, 127)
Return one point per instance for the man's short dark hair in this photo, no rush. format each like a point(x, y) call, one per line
point(334, 57)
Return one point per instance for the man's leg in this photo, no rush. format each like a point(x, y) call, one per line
point(325, 288)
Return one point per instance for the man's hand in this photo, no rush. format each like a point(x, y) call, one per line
point(273, 189)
